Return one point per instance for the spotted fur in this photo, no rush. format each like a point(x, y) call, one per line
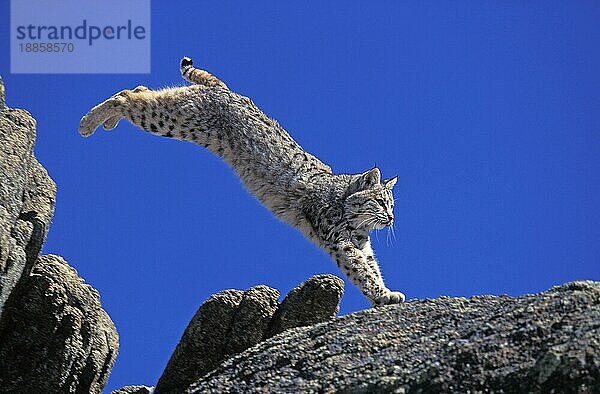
point(336, 211)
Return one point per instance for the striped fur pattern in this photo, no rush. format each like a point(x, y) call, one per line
point(335, 211)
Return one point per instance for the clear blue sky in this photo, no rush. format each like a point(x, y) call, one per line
point(489, 113)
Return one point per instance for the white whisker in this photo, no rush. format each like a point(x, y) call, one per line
point(367, 220)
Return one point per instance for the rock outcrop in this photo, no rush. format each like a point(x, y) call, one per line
point(201, 347)
point(27, 196)
point(54, 335)
point(315, 301)
point(534, 343)
point(232, 321)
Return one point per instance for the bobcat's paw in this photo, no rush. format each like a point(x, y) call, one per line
point(396, 297)
point(392, 297)
point(88, 125)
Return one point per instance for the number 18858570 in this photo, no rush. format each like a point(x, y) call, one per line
point(53, 47)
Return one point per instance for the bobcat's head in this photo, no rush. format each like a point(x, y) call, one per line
point(370, 203)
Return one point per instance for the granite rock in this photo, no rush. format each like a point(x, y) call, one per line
point(252, 319)
point(202, 345)
point(27, 198)
point(316, 300)
point(533, 343)
point(54, 336)
point(230, 322)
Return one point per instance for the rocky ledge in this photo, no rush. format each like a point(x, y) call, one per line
point(55, 337)
point(534, 343)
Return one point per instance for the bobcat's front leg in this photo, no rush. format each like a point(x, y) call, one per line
point(392, 297)
point(363, 272)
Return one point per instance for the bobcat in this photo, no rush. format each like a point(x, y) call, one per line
point(335, 211)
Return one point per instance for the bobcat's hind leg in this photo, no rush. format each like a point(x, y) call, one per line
point(113, 121)
point(108, 112)
point(99, 114)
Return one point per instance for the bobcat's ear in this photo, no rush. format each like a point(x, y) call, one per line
point(391, 182)
point(370, 178)
point(364, 181)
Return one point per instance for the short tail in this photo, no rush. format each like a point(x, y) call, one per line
point(187, 65)
point(197, 76)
